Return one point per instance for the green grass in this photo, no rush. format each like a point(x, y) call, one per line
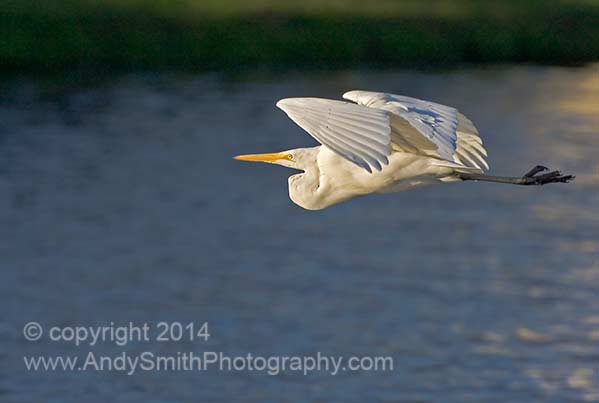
point(66, 35)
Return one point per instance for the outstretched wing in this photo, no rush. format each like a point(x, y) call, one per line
point(426, 127)
point(359, 134)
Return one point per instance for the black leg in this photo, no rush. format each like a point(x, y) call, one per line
point(530, 178)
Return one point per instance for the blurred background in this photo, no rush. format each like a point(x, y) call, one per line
point(232, 35)
point(119, 200)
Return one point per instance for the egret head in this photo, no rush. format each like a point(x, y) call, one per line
point(303, 186)
point(298, 158)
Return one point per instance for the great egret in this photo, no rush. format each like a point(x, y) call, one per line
point(383, 143)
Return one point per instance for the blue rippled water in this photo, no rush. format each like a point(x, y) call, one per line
point(119, 202)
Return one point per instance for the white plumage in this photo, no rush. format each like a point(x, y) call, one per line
point(367, 132)
point(382, 143)
point(361, 135)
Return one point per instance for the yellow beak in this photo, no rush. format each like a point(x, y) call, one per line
point(268, 157)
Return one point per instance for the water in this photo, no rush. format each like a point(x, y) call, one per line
point(120, 203)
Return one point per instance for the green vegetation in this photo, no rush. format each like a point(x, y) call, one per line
point(66, 35)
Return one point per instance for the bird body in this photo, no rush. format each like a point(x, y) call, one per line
point(381, 143)
point(331, 179)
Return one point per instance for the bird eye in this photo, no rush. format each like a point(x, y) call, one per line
point(290, 157)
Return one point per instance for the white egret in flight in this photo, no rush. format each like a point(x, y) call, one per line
point(383, 143)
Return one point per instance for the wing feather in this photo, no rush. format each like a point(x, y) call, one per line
point(357, 133)
point(366, 132)
point(339, 143)
point(430, 128)
point(355, 145)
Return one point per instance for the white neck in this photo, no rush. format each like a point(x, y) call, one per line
point(303, 187)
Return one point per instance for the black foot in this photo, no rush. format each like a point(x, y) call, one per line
point(535, 170)
point(531, 177)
